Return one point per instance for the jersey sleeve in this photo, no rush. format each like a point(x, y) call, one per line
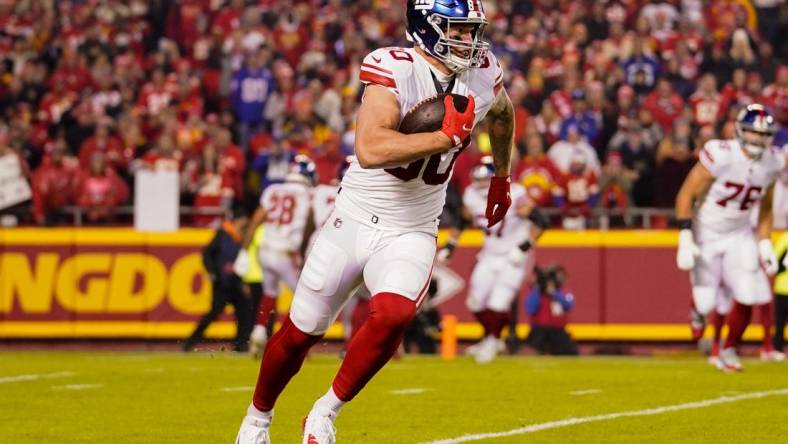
point(496, 73)
point(386, 67)
point(713, 156)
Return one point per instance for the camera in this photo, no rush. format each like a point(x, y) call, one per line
point(551, 278)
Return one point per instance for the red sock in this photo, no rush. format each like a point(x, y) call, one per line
point(498, 321)
point(282, 358)
point(717, 320)
point(738, 319)
point(267, 307)
point(484, 319)
point(374, 343)
point(765, 312)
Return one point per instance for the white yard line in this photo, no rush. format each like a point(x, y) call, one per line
point(585, 392)
point(77, 386)
point(238, 389)
point(34, 377)
point(410, 391)
point(585, 419)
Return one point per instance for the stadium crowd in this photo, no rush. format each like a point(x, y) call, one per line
point(613, 98)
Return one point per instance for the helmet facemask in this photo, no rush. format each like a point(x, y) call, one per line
point(753, 142)
point(458, 55)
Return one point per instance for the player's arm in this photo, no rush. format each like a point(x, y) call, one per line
point(527, 209)
point(764, 232)
point(694, 187)
point(257, 218)
point(501, 119)
point(379, 144)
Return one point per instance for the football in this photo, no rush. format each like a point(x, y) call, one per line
point(427, 116)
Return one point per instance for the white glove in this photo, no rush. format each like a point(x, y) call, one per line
point(516, 256)
point(687, 252)
point(241, 264)
point(768, 259)
point(444, 254)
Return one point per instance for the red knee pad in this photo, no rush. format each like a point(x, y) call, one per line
point(391, 310)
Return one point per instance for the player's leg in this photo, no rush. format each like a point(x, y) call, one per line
point(765, 315)
point(508, 279)
point(706, 280)
point(724, 304)
point(749, 286)
point(267, 308)
point(330, 273)
point(780, 316)
point(397, 276)
point(218, 301)
point(480, 288)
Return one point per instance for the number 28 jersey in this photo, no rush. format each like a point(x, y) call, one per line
point(739, 185)
point(411, 196)
point(287, 209)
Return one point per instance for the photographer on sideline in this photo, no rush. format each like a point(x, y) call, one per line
point(218, 257)
point(548, 305)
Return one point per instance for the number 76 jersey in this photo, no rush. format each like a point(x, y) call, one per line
point(739, 185)
point(411, 196)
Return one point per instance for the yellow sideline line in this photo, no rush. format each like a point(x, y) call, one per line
point(224, 330)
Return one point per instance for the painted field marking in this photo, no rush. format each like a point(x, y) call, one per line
point(585, 419)
point(24, 378)
point(585, 392)
point(238, 389)
point(410, 391)
point(77, 386)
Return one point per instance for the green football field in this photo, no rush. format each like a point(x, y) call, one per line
point(78, 397)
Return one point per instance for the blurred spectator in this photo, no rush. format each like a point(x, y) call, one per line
point(674, 161)
point(104, 142)
point(707, 103)
point(548, 305)
point(616, 183)
point(14, 182)
point(664, 104)
point(577, 193)
point(231, 163)
point(777, 93)
point(273, 164)
point(641, 69)
point(250, 88)
point(581, 118)
point(53, 185)
point(639, 157)
point(99, 190)
point(328, 157)
point(163, 156)
point(536, 172)
point(563, 152)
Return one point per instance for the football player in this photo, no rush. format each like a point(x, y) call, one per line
point(382, 230)
point(717, 244)
point(503, 262)
point(285, 213)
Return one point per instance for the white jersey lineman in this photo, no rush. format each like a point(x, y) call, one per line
point(496, 280)
point(287, 210)
point(723, 229)
point(383, 229)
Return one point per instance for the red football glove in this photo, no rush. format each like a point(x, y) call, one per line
point(499, 199)
point(456, 125)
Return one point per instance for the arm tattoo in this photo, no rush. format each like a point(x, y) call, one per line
point(501, 116)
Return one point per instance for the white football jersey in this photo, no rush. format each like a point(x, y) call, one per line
point(740, 184)
point(510, 232)
point(323, 198)
point(411, 196)
point(287, 207)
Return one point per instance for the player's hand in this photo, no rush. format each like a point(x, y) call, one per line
point(768, 259)
point(444, 254)
point(457, 126)
point(297, 260)
point(516, 256)
point(688, 251)
point(241, 264)
point(499, 199)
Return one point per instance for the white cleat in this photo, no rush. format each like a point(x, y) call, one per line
point(253, 431)
point(714, 357)
point(730, 360)
point(488, 350)
point(319, 427)
point(772, 356)
point(473, 349)
point(257, 340)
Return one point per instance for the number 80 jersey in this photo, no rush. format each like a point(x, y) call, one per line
point(739, 185)
point(411, 196)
